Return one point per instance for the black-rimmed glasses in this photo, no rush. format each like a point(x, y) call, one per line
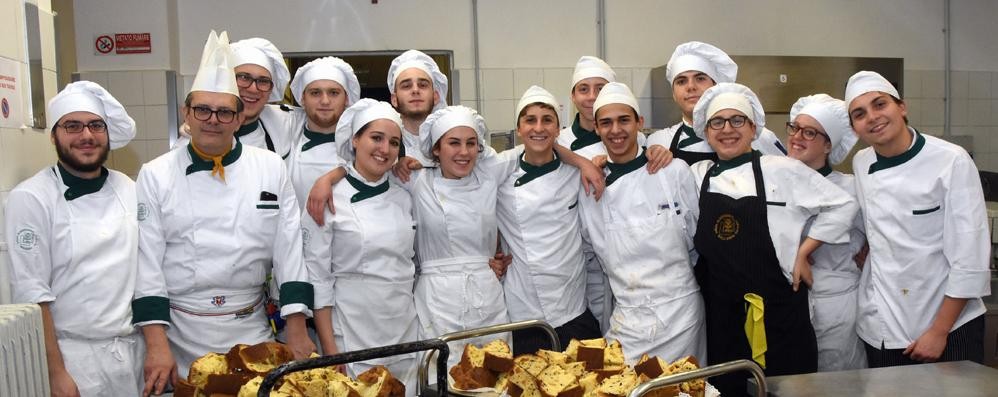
point(244, 80)
point(736, 121)
point(76, 127)
point(203, 113)
point(807, 133)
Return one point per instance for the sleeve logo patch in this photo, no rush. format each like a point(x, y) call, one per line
point(143, 212)
point(27, 239)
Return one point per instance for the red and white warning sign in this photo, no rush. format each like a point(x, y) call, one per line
point(123, 43)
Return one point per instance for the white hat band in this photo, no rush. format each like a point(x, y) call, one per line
point(730, 100)
point(75, 102)
point(688, 62)
point(826, 117)
point(413, 64)
point(586, 73)
point(451, 120)
point(250, 55)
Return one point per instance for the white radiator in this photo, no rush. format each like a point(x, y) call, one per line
point(23, 369)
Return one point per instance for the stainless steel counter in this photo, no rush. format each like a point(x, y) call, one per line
point(962, 378)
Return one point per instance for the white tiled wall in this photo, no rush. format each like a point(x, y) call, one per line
point(144, 95)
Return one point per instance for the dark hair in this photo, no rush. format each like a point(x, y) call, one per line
point(633, 110)
point(897, 101)
point(239, 102)
point(523, 112)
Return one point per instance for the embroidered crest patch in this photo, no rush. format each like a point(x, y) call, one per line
point(218, 301)
point(26, 239)
point(726, 227)
point(142, 212)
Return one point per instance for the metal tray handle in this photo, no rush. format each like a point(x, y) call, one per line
point(361, 355)
point(713, 370)
point(473, 333)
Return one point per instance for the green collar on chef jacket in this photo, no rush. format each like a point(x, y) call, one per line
point(200, 164)
point(691, 136)
point(365, 191)
point(79, 187)
point(884, 163)
point(535, 171)
point(316, 139)
point(724, 165)
point(247, 128)
point(619, 170)
point(583, 137)
point(824, 171)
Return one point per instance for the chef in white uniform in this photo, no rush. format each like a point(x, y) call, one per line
point(923, 208)
point(361, 260)
point(538, 218)
point(657, 305)
point(71, 228)
point(214, 218)
point(820, 137)
point(693, 68)
point(753, 209)
point(261, 76)
point(324, 87)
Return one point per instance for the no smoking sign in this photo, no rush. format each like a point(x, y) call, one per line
point(104, 44)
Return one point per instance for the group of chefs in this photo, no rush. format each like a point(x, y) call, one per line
point(709, 238)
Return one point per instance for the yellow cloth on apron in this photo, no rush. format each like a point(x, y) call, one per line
point(755, 328)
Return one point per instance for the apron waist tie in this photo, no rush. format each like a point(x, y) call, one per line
point(114, 347)
point(244, 311)
point(755, 327)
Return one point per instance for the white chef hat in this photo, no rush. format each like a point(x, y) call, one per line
point(262, 52)
point(728, 96)
point(419, 60)
point(533, 95)
point(702, 57)
point(442, 120)
point(85, 96)
point(356, 117)
point(832, 115)
point(326, 68)
point(866, 81)
point(616, 93)
point(215, 74)
point(589, 66)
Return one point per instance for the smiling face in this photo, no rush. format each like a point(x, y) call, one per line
point(84, 152)
point(324, 101)
point(584, 95)
point(814, 152)
point(730, 142)
point(456, 152)
point(687, 88)
point(376, 148)
point(253, 98)
point(212, 136)
point(538, 128)
point(618, 127)
point(879, 120)
point(414, 95)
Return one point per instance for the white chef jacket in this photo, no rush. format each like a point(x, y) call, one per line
point(360, 263)
point(64, 243)
point(538, 218)
point(794, 194)
point(206, 246)
point(767, 143)
point(642, 230)
point(410, 142)
point(927, 228)
point(456, 232)
point(282, 123)
point(834, 292)
point(311, 157)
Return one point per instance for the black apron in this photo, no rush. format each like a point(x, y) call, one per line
point(737, 257)
point(687, 156)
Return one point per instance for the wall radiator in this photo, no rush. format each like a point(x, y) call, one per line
point(23, 369)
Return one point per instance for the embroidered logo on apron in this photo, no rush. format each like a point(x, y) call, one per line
point(218, 301)
point(726, 227)
point(305, 237)
point(143, 212)
point(26, 239)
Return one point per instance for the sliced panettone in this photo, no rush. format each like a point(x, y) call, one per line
point(470, 373)
point(695, 387)
point(264, 357)
point(613, 354)
point(380, 383)
point(652, 367)
point(498, 356)
point(553, 357)
point(666, 391)
point(577, 369)
point(226, 383)
point(607, 372)
point(591, 356)
point(522, 384)
point(555, 381)
point(589, 383)
point(251, 388)
point(573, 346)
point(502, 381)
point(234, 361)
point(618, 385)
point(339, 388)
point(186, 389)
point(208, 364)
point(533, 364)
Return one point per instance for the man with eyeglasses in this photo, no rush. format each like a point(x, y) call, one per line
point(693, 68)
point(261, 76)
point(215, 217)
point(71, 228)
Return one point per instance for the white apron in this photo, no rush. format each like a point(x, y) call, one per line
point(105, 367)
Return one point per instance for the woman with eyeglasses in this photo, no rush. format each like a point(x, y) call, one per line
point(753, 209)
point(819, 135)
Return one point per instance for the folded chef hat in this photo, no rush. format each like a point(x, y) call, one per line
point(85, 96)
point(589, 66)
point(419, 60)
point(439, 122)
point(215, 73)
point(701, 57)
point(536, 94)
point(356, 117)
point(261, 52)
point(728, 96)
point(832, 115)
point(326, 68)
point(866, 81)
point(616, 93)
